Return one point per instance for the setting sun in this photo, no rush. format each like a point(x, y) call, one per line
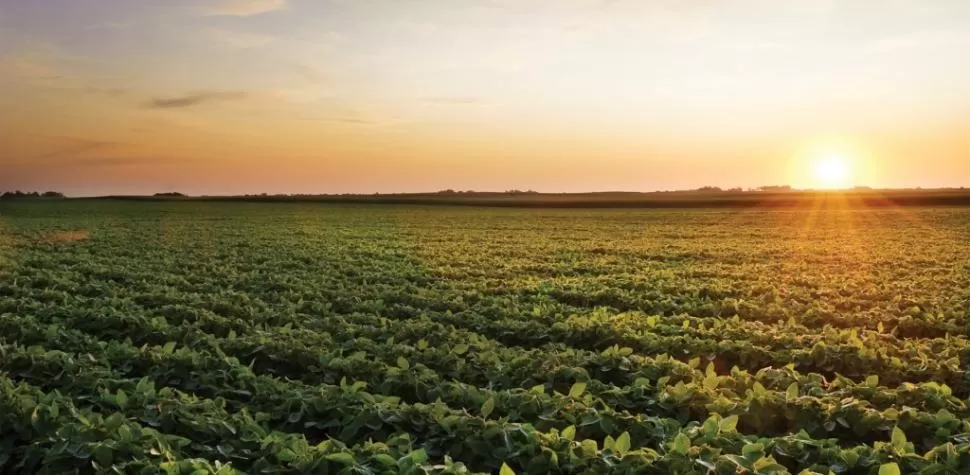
point(832, 172)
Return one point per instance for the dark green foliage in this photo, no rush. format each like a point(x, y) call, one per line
point(192, 337)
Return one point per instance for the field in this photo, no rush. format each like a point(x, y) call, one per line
point(338, 338)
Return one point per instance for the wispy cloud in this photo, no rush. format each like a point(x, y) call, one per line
point(191, 100)
point(310, 73)
point(30, 67)
point(454, 101)
point(71, 148)
point(921, 41)
point(344, 120)
point(106, 91)
point(247, 7)
point(110, 25)
point(238, 40)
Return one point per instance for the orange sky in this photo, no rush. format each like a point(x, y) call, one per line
point(333, 96)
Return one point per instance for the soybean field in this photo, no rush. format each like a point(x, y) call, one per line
point(206, 337)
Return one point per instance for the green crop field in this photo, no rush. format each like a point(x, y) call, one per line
point(195, 337)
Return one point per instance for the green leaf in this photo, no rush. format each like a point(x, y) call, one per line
point(121, 398)
point(872, 380)
point(753, 451)
point(898, 438)
point(114, 421)
point(569, 433)
point(622, 444)
point(286, 455)
point(681, 444)
point(418, 456)
point(422, 344)
point(889, 469)
point(342, 458)
point(792, 392)
point(169, 348)
point(488, 407)
point(728, 424)
point(588, 448)
point(460, 349)
point(385, 459)
point(608, 442)
point(103, 455)
point(538, 389)
point(402, 362)
point(711, 427)
point(506, 470)
point(577, 390)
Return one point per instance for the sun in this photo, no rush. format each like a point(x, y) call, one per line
point(832, 172)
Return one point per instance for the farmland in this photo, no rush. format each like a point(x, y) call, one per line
point(340, 338)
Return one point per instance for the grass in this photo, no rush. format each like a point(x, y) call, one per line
point(137, 334)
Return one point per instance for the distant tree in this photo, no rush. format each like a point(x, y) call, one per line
point(709, 189)
point(172, 194)
point(775, 188)
point(736, 189)
point(17, 195)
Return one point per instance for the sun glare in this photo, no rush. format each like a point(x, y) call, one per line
point(832, 172)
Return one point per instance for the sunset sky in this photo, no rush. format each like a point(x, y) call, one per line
point(334, 96)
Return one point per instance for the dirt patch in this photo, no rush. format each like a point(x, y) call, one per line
point(64, 237)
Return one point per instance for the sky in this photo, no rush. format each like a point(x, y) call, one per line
point(362, 96)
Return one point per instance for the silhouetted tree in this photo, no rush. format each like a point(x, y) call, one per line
point(17, 195)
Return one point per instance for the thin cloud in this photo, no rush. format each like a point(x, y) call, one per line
point(247, 7)
point(238, 40)
point(74, 148)
point(344, 120)
point(310, 73)
point(105, 91)
point(454, 100)
point(114, 161)
point(191, 100)
point(921, 41)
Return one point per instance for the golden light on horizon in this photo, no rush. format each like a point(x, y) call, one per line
point(291, 96)
point(832, 172)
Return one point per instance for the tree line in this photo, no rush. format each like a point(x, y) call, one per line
point(11, 195)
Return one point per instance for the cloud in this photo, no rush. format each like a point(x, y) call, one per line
point(310, 73)
point(238, 40)
point(453, 100)
point(114, 161)
point(31, 67)
point(110, 25)
point(920, 41)
point(345, 120)
point(105, 91)
point(247, 7)
point(191, 100)
point(70, 148)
